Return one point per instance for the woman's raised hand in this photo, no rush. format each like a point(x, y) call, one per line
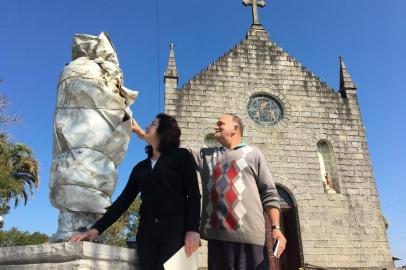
point(137, 129)
point(89, 235)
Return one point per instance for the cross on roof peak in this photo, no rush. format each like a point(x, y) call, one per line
point(255, 4)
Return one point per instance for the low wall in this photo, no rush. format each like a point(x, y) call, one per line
point(75, 256)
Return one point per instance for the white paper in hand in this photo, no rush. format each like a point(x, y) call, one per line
point(179, 261)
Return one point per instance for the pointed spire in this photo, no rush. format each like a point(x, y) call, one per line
point(171, 71)
point(346, 83)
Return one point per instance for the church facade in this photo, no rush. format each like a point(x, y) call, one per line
point(314, 141)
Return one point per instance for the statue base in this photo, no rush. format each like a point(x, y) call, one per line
point(68, 256)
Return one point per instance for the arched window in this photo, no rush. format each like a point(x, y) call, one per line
point(327, 166)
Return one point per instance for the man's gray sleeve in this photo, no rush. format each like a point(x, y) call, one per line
point(265, 183)
point(196, 153)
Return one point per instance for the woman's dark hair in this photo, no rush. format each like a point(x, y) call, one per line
point(168, 132)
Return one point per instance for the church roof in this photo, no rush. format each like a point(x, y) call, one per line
point(256, 52)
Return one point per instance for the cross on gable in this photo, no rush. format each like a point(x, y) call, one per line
point(255, 4)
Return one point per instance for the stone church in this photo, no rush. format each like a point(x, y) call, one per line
point(313, 138)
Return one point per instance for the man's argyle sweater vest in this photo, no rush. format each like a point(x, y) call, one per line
point(237, 186)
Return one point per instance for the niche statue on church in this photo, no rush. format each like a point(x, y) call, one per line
point(327, 165)
point(329, 183)
point(92, 129)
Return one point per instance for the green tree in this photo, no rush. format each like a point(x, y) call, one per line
point(18, 168)
point(14, 237)
point(125, 227)
point(18, 173)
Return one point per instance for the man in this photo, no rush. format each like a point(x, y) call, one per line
point(237, 188)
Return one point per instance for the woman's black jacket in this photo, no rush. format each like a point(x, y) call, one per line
point(168, 191)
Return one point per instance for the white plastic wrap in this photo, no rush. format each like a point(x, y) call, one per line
point(92, 129)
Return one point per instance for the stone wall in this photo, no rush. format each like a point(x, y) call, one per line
point(74, 256)
point(68, 256)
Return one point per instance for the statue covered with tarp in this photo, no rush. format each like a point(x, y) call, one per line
point(92, 129)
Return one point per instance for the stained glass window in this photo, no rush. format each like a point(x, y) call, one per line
point(265, 110)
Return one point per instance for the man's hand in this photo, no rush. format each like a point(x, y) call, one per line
point(191, 242)
point(89, 235)
point(273, 216)
point(137, 129)
point(277, 234)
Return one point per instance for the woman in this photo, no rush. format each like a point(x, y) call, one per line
point(170, 208)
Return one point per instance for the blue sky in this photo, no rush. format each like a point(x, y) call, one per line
point(35, 44)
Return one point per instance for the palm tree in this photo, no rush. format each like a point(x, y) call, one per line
point(18, 173)
point(18, 168)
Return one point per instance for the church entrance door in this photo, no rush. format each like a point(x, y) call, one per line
point(291, 259)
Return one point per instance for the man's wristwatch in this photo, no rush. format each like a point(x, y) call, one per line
point(275, 227)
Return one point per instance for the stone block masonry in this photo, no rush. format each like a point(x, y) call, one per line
point(68, 256)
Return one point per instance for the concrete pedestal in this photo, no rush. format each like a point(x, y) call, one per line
point(68, 256)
